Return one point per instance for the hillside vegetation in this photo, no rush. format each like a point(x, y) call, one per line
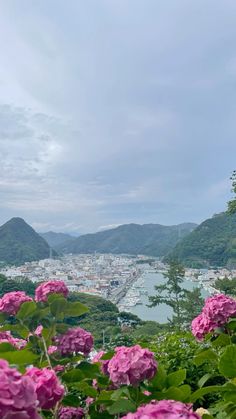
point(212, 243)
point(147, 239)
point(19, 243)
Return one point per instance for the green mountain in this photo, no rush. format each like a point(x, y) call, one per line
point(147, 239)
point(212, 243)
point(55, 239)
point(19, 243)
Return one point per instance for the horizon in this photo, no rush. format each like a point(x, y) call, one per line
point(116, 112)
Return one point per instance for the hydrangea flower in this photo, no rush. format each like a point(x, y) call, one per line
point(71, 413)
point(17, 394)
point(74, 341)
point(11, 301)
point(51, 287)
point(52, 349)
point(131, 365)
point(216, 313)
point(104, 363)
point(6, 337)
point(48, 388)
point(164, 409)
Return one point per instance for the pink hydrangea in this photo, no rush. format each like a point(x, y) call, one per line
point(74, 341)
point(17, 394)
point(50, 287)
point(216, 313)
point(52, 349)
point(71, 413)
point(104, 363)
point(132, 365)
point(164, 409)
point(201, 325)
point(11, 301)
point(49, 390)
point(6, 337)
point(219, 309)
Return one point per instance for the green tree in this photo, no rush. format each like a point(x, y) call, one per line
point(191, 305)
point(226, 285)
point(232, 202)
point(171, 292)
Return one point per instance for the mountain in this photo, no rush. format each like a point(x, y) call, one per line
point(212, 243)
point(146, 239)
point(55, 239)
point(19, 243)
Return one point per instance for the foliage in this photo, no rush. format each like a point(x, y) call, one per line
point(65, 375)
point(19, 243)
point(134, 239)
point(17, 284)
point(212, 243)
point(232, 203)
point(228, 286)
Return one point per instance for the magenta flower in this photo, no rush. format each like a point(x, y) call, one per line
point(50, 287)
point(132, 365)
point(11, 301)
point(216, 313)
point(104, 363)
point(71, 413)
point(74, 341)
point(52, 349)
point(6, 337)
point(48, 388)
point(17, 394)
point(164, 409)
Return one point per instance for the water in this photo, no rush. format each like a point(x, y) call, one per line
point(159, 313)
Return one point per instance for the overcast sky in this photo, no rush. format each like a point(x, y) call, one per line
point(116, 111)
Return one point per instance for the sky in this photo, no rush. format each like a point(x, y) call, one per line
point(116, 111)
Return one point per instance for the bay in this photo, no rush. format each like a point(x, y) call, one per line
point(159, 313)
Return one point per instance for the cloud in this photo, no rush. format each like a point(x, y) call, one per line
point(116, 112)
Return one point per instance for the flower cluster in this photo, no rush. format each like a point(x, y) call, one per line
point(164, 409)
point(17, 394)
point(6, 337)
point(131, 365)
point(71, 413)
point(48, 388)
point(104, 363)
point(74, 341)
point(50, 287)
point(216, 313)
point(11, 301)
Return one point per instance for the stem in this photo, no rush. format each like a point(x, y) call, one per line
point(46, 352)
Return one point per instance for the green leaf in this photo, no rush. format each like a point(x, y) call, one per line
point(6, 347)
point(117, 394)
point(22, 357)
point(232, 324)
point(205, 390)
point(121, 406)
point(174, 393)
point(86, 389)
point(3, 317)
point(73, 376)
point(26, 310)
point(105, 395)
point(186, 390)
point(227, 363)
point(205, 356)
point(107, 355)
point(176, 378)
point(75, 309)
point(89, 370)
point(221, 340)
point(71, 400)
point(58, 306)
point(204, 379)
point(159, 380)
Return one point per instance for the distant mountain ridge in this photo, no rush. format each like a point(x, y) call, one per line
point(55, 239)
point(19, 243)
point(212, 243)
point(146, 239)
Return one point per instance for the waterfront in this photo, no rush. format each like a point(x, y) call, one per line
point(162, 312)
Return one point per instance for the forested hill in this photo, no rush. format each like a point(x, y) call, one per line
point(146, 239)
point(212, 243)
point(54, 239)
point(19, 243)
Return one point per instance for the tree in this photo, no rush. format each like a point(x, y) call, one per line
point(171, 292)
point(226, 285)
point(191, 305)
point(128, 319)
point(232, 202)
